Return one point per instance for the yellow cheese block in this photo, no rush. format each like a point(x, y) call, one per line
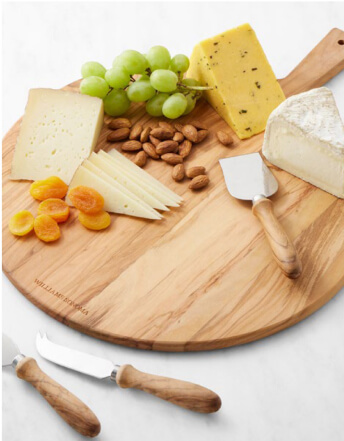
point(245, 89)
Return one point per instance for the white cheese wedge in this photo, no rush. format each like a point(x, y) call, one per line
point(97, 171)
point(115, 200)
point(305, 137)
point(115, 173)
point(150, 184)
point(59, 130)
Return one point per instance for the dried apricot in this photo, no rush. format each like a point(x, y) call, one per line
point(55, 208)
point(46, 228)
point(86, 199)
point(52, 187)
point(21, 223)
point(98, 221)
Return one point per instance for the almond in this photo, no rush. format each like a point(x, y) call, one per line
point(178, 137)
point(199, 182)
point(201, 135)
point(140, 159)
point(185, 148)
point(195, 171)
point(166, 147)
point(172, 158)
point(131, 146)
point(199, 125)
point(162, 133)
point(190, 132)
point(119, 123)
point(224, 138)
point(136, 132)
point(150, 150)
point(154, 141)
point(178, 172)
point(166, 125)
point(178, 127)
point(145, 134)
point(119, 134)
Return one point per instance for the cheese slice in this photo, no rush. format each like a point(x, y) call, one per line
point(305, 137)
point(150, 184)
point(115, 173)
point(99, 172)
point(245, 89)
point(59, 130)
point(115, 200)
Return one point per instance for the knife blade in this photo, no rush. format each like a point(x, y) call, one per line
point(248, 178)
point(182, 393)
point(68, 406)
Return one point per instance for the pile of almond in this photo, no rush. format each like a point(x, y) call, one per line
point(170, 143)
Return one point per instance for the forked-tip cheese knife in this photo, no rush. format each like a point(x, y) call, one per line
point(68, 406)
point(248, 178)
point(182, 393)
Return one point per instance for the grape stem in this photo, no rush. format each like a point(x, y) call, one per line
point(184, 86)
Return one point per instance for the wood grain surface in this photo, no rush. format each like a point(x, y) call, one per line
point(202, 278)
point(68, 406)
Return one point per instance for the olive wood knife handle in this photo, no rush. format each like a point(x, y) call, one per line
point(281, 246)
point(68, 406)
point(182, 393)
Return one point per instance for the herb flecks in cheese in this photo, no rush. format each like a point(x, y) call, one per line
point(235, 66)
point(305, 137)
point(58, 132)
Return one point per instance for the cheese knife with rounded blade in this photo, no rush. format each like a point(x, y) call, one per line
point(182, 393)
point(68, 406)
point(248, 178)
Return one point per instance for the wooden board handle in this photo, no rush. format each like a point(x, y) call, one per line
point(68, 406)
point(282, 247)
point(324, 62)
point(182, 393)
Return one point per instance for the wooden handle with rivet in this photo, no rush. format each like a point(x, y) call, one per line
point(182, 393)
point(68, 406)
point(281, 246)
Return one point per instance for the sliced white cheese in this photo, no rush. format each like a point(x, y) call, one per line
point(97, 171)
point(115, 200)
point(59, 130)
point(305, 137)
point(142, 175)
point(115, 173)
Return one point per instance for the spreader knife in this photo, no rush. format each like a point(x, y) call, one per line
point(248, 178)
point(182, 393)
point(67, 405)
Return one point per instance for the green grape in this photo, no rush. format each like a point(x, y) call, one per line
point(164, 80)
point(191, 103)
point(92, 69)
point(179, 63)
point(158, 58)
point(191, 82)
point(174, 106)
point(94, 86)
point(143, 77)
point(140, 91)
point(132, 61)
point(154, 105)
point(117, 77)
point(116, 102)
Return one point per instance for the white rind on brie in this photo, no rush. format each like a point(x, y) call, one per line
point(305, 137)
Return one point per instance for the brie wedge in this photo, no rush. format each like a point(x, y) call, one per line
point(305, 137)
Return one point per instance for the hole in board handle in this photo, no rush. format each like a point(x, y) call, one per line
point(341, 42)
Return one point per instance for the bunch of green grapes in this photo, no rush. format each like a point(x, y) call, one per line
point(154, 78)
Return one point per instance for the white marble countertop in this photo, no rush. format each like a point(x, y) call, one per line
point(286, 387)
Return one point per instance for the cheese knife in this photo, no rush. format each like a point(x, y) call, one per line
point(248, 178)
point(182, 393)
point(68, 406)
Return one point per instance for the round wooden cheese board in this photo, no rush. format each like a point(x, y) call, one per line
point(203, 277)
